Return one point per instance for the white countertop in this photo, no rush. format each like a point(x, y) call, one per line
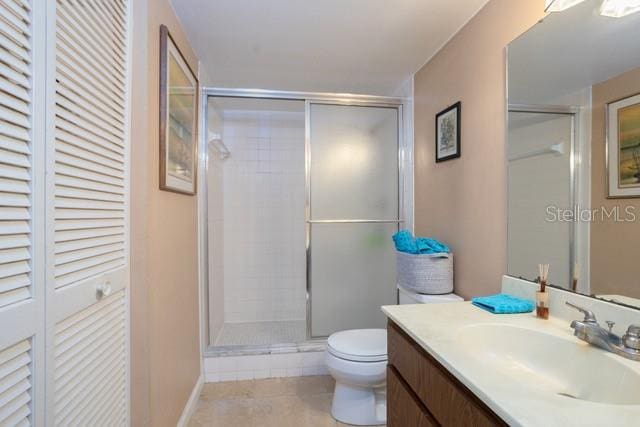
point(520, 402)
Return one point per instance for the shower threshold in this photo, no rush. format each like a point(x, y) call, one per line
point(266, 337)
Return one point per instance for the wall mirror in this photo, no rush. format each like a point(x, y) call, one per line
point(573, 152)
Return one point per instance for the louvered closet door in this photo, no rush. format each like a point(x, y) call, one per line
point(88, 190)
point(21, 256)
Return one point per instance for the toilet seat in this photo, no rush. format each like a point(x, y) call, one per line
point(359, 345)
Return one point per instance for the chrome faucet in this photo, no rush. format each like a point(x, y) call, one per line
point(589, 330)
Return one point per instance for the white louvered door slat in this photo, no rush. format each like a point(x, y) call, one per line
point(15, 150)
point(15, 384)
point(89, 356)
point(21, 296)
point(87, 200)
point(87, 140)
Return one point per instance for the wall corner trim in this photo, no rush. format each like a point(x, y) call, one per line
point(190, 407)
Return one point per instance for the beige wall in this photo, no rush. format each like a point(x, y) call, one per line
point(139, 230)
point(463, 201)
point(165, 345)
point(614, 246)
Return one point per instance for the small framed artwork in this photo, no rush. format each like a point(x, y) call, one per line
point(178, 119)
point(623, 147)
point(448, 133)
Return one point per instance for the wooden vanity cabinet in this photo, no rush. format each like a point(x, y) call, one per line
point(421, 392)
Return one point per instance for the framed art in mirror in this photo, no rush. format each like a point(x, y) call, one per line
point(623, 147)
point(178, 119)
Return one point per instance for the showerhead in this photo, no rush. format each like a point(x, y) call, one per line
point(215, 140)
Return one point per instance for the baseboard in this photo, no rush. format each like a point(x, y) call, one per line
point(190, 407)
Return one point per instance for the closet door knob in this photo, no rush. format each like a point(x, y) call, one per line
point(103, 290)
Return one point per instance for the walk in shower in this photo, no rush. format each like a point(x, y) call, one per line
point(302, 193)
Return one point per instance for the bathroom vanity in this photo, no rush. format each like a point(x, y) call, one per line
point(457, 365)
point(421, 392)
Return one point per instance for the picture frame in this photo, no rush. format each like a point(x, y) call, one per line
point(179, 89)
point(622, 122)
point(447, 143)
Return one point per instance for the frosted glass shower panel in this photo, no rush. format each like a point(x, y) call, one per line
point(353, 274)
point(354, 162)
point(353, 177)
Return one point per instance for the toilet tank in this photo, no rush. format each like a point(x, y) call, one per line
point(409, 297)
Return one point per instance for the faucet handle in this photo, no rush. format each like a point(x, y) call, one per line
point(632, 338)
point(634, 330)
point(589, 317)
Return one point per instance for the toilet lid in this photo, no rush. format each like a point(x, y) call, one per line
point(360, 345)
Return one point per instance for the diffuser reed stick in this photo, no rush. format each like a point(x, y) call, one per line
point(543, 270)
point(576, 275)
point(542, 297)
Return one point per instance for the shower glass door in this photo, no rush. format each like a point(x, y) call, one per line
point(540, 186)
point(352, 212)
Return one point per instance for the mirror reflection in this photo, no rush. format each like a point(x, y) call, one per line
point(574, 152)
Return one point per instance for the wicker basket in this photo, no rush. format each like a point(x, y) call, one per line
point(425, 273)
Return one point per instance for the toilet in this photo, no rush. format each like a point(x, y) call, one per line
point(357, 360)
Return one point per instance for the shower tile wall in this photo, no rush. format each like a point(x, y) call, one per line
point(215, 227)
point(264, 220)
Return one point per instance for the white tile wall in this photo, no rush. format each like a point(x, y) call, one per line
point(274, 365)
point(215, 224)
point(264, 217)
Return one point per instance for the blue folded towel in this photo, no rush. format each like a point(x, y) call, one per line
point(503, 304)
point(405, 242)
point(430, 246)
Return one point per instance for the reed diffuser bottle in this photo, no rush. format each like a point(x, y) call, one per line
point(542, 296)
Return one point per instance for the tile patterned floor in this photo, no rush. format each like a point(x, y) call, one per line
point(262, 333)
point(277, 402)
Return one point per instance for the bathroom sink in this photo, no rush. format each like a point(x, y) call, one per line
point(561, 366)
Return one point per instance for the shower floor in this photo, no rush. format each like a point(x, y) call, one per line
point(262, 333)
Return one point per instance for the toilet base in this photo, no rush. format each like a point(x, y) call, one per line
point(359, 405)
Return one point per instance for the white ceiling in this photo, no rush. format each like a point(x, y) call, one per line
point(570, 51)
point(357, 46)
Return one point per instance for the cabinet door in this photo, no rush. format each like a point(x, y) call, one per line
point(87, 217)
point(403, 407)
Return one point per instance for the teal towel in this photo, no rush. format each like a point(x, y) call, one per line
point(430, 246)
point(405, 242)
point(503, 304)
